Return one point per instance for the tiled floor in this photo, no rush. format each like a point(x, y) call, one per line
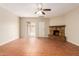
point(39, 47)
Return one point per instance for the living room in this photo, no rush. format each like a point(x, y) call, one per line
point(19, 24)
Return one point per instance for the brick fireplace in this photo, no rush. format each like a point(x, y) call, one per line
point(57, 32)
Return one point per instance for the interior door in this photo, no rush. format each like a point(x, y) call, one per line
point(41, 27)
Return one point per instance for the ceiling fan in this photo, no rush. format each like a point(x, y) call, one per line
point(40, 10)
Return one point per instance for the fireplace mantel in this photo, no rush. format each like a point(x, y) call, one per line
point(57, 31)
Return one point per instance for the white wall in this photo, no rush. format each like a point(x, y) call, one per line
point(59, 20)
point(71, 20)
point(9, 26)
point(23, 22)
point(40, 32)
point(72, 26)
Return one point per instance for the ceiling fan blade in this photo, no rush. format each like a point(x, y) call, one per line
point(35, 12)
point(46, 9)
point(43, 13)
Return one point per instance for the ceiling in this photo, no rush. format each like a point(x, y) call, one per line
point(28, 9)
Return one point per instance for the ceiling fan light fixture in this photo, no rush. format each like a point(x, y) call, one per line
point(40, 13)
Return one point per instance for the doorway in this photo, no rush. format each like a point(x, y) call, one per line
point(31, 29)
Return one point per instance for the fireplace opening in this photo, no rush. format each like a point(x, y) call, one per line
point(56, 33)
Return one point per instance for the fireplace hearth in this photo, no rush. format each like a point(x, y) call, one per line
point(57, 32)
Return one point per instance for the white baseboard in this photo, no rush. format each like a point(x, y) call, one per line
point(3, 43)
point(73, 42)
